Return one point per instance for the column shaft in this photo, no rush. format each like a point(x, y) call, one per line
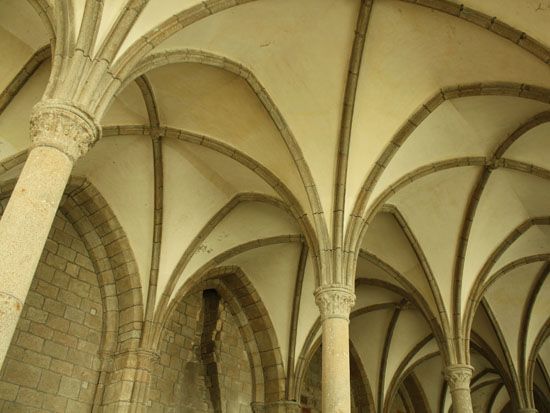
point(335, 303)
point(24, 229)
point(336, 374)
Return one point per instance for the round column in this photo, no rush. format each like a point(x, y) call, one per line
point(60, 134)
point(458, 377)
point(335, 303)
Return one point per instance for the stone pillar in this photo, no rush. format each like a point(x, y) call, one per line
point(60, 134)
point(335, 303)
point(458, 377)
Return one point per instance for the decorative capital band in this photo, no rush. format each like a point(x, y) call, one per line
point(64, 127)
point(335, 301)
point(458, 376)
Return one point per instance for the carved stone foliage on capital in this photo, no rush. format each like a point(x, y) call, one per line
point(64, 127)
point(335, 302)
point(459, 376)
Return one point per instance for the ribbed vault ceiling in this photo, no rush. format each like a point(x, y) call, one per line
point(413, 135)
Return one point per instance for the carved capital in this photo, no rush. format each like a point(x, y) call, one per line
point(458, 376)
point(64, 127)
point(335, 301)
point(528, 410)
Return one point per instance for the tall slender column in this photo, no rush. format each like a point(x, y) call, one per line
point(458, 377)
point(60, 134)
point(335, 303)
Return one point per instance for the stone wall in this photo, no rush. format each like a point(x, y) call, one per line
point(203, 364)
point(52, 364)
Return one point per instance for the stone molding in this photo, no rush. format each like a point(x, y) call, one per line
point(335, 301)
point(458, 376)
point(528, 410)
point(64, 127)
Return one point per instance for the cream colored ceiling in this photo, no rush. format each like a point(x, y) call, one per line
point(297, 53)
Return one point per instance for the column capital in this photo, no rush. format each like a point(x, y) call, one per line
point(528, 410)
point(335, 301)
point(64, 127)
point(458, 376)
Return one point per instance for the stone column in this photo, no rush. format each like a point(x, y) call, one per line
point(335, 303)
point(458, 377)
point(60, 134)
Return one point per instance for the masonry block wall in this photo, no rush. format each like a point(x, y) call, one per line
point(52, 364)
point(182, 381)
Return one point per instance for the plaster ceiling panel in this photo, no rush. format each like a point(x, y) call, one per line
point(532, 191)
point(410, 329)
point(463, 127)
point(481, 397)
point(483, 327)
point(540, 316)
point(539, 377)
point(122, 171)
point(19, 53)
point(154, 14)
point(385, 239)
point(127, 108)
point(479, 363)
point(368, 269)
point(78, 13)
point(198, 182)
point(14, 120)
point(508, 200)
point(431, 379)
point(536, 240)
point(507, 298)
point(486, 378)
point(398, 405)
point(368, 333)
point(21, 20)
point(219, 104)
point(309, 312)
point(529, 16)
point(532, 147)
point(428, 349)
point(500, 401)
point(368, 295)
point(434, 209)
point(412, 52)
point(111, 11)
point(272, 270)
point(299, 53)
point(262, 221)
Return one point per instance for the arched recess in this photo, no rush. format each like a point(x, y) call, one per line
point(256, 328)
point(97, 253)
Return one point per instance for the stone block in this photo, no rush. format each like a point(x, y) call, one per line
point(30, 397)
point(49, 382)
point(69, 387)
point(22, 374)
